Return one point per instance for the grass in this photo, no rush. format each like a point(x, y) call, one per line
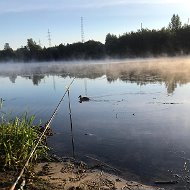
point(17, 139)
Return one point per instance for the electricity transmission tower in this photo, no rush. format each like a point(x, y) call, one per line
point(82, 30)
point(49, 38)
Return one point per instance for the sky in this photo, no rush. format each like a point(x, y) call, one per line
point(24, 19)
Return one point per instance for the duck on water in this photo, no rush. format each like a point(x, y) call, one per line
point(83, 99)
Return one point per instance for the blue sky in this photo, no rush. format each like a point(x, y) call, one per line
point(24, 19)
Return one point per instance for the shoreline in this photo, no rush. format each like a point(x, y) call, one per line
point(69, 174)
point(77, 175)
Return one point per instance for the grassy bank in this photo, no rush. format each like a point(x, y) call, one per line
point(17, 138)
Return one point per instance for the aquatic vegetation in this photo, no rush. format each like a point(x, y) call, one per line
point(17, 139)
point(1, 102)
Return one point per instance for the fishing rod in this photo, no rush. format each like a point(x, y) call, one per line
point(47, 125)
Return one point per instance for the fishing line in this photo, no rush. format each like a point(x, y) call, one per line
point(71, 125)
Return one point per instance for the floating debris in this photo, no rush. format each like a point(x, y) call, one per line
point(170, 103)
point(164, 103)
point(166, 182)
point(89, 134)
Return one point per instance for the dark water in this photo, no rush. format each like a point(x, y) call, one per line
point(137, 119)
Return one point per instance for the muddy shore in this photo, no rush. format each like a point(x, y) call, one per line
point(71, 176)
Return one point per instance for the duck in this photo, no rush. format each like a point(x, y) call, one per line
point(83, 99)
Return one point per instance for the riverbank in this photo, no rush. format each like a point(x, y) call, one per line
point(71, 176)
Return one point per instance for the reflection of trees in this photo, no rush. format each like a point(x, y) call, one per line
point(171, 86)
point(172, 72)
point(13, 78)
point(36, 79)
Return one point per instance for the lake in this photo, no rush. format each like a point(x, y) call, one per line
point(137, 119)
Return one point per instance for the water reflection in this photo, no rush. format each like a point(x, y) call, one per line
point(137, 118)
point(171, 72)
point(13, 78)
point(36, 79)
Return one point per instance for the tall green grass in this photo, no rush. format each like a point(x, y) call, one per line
point(17, 139)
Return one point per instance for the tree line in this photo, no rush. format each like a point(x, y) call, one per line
point(173, 40)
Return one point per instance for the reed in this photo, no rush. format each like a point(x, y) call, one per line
point(17, 139)
point(1, 102)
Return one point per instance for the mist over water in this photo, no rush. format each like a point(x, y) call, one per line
point(171, 71)
point(137, 119)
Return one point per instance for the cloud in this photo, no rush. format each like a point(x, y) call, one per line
point(8, 6)
point(11, 6)
point(112, 3)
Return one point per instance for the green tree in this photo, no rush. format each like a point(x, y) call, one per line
point(35, 51)
point(32, 46)
point(22, 54)
point(111, 44)
point(7, 46)
point(175, 23)
point(7, 53)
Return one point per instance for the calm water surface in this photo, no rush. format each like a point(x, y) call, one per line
point(137, 119)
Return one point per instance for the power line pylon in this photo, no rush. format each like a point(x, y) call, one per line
point(82, 30)
point(49, 38)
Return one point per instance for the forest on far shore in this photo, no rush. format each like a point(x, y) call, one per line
point(170, 41)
